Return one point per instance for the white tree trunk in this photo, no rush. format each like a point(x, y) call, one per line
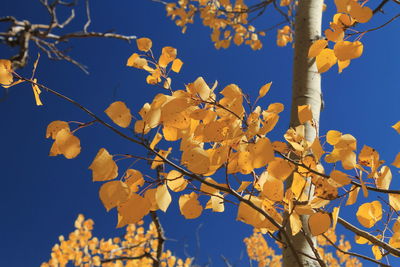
point(306, 89)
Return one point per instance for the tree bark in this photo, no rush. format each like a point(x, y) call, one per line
point(306, 89)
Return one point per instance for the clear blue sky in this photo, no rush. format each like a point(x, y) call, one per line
point(41, 196)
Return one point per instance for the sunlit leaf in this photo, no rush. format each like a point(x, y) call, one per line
point(163, 197)
point(189, 205)
point(134, 179)
point(319, 223)
point(264, 89)
point(103, 166)
point(36, 93)
point(396, 126)
point(175, 181)
point(133, 210)
point(317, 47)
point(54, 127)
point(369, 213)
point(66, 143)
point(176, 65)
point(144, 44)
point(345, 50)
point(119, 113)
point(304, 113)
point(280, 168)
point(325, 60)
point(113, 193)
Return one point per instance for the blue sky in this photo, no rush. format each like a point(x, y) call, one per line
point(41, 196)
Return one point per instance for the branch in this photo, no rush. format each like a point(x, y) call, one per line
point(354, 254)
point(369, 237)
point(160, 237)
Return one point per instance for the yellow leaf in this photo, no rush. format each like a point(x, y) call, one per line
point(176, 65)
point(325, 60)
point(273, 189)
point(134, 179)
point(113, 193)
point(360, 240)
point(295, 223)
point(54, 127)
point(264, 89)
point(175, 181)
point(200, 89)
point(103, 166)
point(196, 160)
point(384, 178)
point(317, 47)
point(157, 138)
point(396, 225)
point(168, 54)
point(319, 223)
point(36, 93)
point(353, 195)
point(144, 44)
point(216, 203)
point(369, 213)
point(245, 163)
point(298, 185)
point(397, 127)
point(333, 137)
point(395, 240)
point(396, 161)
point(280, 168)
point(335, 215)
point(261, 152)
point(394, 200)
point(133, 210)
point(342, 64)
point(67, 144)
point(345, 50)
point(150, 195)
point(189, 205)
point(377, 252)
point(335, 35)
point(360, 13)
point(317, 149)
point(243, 186)
point(119, 113)
point(340, 178)
point(163, 197)
point(158, 161)
point(136, 61)
point(6, 77)
point(304, 113)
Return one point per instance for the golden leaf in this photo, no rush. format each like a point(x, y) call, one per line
point(345, 50)
point(304, 113)
point(103, 166)
point(273, 189)
point(67, 144)
point(325, 60)
point(319, 223)
point(280, 168)
point(396, 161)
point(394, 200)
point(133, 210)
point(353, 195)
point(369, 213)
point(36, 93)
point(175, 181)
point(340, 178)
point(119, 113)
point(134, 179)
point(163, 197)
point(176, 65)
point(54, 127)
point(396, 126)
point(144, 44)
point(196, 160)
point(317, 47)
point(264, 89)
point(189, 206)
point(6, 77)
point(261, 153)
point(113, 193)
point(295, 223)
